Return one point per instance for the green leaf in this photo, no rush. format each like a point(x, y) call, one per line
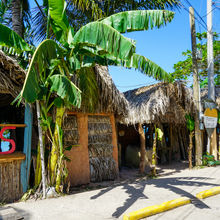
point(63, 31)
point(65, 89)
point(103, 39)
point(58, 102)
point(37, 71)
point(138, 20)
point(190, 123)
point(12, 40)
point(148, 67)
point(69, 148)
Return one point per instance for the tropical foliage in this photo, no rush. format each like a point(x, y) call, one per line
point(81, 12)
point(183, 69)
point(54, 63)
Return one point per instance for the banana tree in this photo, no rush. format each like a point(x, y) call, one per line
point(54, 62)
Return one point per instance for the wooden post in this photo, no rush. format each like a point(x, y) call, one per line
point(213, 145)
point(142, 148)
point(198, 142)
point(171, 143)
point(190, 149)
point(25, 166)
point(154, 154)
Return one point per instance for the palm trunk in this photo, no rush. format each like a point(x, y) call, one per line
point(55, 145)
point(17, 17)
point(41, 150)
point(154, 154)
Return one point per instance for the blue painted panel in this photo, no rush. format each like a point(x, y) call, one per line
point(25, 166)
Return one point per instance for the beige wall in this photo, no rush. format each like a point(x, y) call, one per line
point(78, 167)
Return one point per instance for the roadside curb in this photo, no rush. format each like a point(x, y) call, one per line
point(208, 192)
point(155, 209)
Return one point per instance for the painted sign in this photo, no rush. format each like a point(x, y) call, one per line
point(7, 140)
point(210, 122)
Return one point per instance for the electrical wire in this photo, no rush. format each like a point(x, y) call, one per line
point(196, 12)
point(184, 7)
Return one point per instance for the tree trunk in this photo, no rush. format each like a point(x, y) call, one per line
point(41, 150)
point(142, 148)
point(55, 146)
point(154, 154)
point(190, 149)
point(17, 17)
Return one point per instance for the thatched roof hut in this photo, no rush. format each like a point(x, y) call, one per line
point(11, 76)
point(108, 99)
point(161, 102)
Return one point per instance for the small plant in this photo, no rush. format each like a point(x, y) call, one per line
point(209, 160)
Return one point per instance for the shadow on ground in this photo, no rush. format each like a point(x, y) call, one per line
point(135, 190)
point(7, 212)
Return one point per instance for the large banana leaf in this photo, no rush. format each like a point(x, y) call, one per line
point(138, 20)
point(38, 68)
point(147, 67)
point(65, 89)
point(103, 39)
point(63, 31)
point(12, 40)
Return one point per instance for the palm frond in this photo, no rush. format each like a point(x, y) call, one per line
point(138, 20)
point(102, 39)
point(11, 40)
point(147, 67)
point(65, 89)
point(40, 63)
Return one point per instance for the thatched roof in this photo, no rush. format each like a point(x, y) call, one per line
point(11, 76)
point(111, 100)
point(162, 102)
point(204, 95)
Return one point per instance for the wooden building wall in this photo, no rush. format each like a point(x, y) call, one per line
point(79, 167)
point(10, 177)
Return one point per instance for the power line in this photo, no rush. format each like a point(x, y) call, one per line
point(196, 12)
point(210, 11)
point(138, 85)
point(185, 8)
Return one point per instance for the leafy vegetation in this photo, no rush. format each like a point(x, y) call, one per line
point(55, 62)
point(183, 69)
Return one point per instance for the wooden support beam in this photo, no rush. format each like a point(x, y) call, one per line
point(213, 145)
point(13, 125)
point(25, 166)
point(142, 148)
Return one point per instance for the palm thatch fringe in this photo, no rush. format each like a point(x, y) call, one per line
point(111, 98)
point(11, 75)
point(102, 164)
point(70, 130)
point(162, 102)
point(102, 169)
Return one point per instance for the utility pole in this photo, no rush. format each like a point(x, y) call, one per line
point(196, 89)
point(210, 62)
point(212, 145)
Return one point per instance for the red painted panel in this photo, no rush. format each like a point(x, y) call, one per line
point(8, 140)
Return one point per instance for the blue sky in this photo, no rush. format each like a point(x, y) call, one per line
point(164, 46)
